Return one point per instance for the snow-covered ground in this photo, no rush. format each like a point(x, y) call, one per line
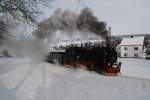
point(21, 79)
point(133, 67)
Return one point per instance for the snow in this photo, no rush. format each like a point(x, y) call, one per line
point(133, 41)
point(77, 42)
point(22, 79)
point(133, 67)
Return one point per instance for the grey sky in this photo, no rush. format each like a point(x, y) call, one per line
point(124, 16)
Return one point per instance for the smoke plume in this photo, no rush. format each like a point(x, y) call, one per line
point(71, 23)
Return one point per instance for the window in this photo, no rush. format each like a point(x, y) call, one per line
point(125, 55)
point(136, 48)
point(125, 48)
point(135, 55)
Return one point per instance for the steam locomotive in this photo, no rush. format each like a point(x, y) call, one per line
point(98, 58)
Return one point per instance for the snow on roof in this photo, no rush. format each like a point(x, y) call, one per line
point(133, 41)
point(65, 43)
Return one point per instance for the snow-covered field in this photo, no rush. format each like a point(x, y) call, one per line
point(21, 79)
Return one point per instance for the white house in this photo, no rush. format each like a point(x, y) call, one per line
point(132, 47)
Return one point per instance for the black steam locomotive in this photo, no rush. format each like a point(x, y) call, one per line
point(98, 58)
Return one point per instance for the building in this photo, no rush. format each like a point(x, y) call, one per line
point(132, 47)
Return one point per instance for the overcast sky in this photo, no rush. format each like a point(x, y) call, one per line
point(124, 16)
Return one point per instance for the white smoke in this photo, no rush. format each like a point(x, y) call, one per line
point(22, 44)
point(34, 48)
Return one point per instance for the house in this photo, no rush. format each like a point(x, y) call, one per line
point(146, 53)
point(132, 47)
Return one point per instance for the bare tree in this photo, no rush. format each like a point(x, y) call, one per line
point(21, 10)
point(26, 9)
point(3, 29)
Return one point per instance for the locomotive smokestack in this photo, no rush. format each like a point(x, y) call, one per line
point(108, 38)
point(109, 32)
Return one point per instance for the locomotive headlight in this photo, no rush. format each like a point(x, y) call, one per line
point(78, 57)
point(114, 65)
point(109, 64)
